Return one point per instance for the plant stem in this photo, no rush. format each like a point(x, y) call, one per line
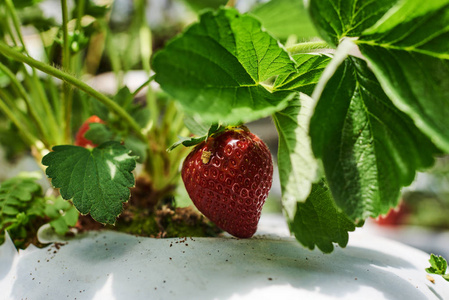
point(143, 85)
point(8, 51)
point(112, 52)
point(29, 139)
point(65, 35)
point(50, 118)
point(145, 37)
point(15, 20)
point(80, 14)
point(6, 26)
point(66, 65)
point(308, 47)
point(31, 109)
point(44, 103)
point(20, 115)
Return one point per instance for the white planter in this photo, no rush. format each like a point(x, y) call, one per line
point(110, 265)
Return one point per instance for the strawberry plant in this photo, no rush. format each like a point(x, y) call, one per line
point(357, 91)
point(24, 208)
point(438, 266)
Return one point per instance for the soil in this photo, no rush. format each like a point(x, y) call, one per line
point(154, 215)
point(161, 223)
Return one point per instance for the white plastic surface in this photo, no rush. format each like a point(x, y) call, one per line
point(110, 265)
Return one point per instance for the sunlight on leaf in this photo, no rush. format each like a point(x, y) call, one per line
point(369, 148)
point(409, 53)
point(298, 168)
point(217, 68)
point(97, 181)
point(336, 19)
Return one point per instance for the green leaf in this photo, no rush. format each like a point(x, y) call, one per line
point(438, 265)
point(193, 141)
point(34, 16)
point(307, 74)
point(198, 5)
point(20, 203)
point(409, 53)
point(187, 142)
point(96, 180)
point(336, 19)
point(298, 168)
point(25, 3)
point(16, 195)
point(138, 148)
point(368, 147)
point(309, 207)
point(62, 213)
point(139, 111)
point(195, 126)
point(217, 69)
point(98, 133)
point(318, 222)
point(96, 9)
point(283, 18)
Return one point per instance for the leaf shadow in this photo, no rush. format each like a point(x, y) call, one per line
point(129, 267)
point(7, 253)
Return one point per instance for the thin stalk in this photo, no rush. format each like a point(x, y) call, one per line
point(143, 85)
point(15, 21)
point(6, 50)
point(114, 56)
point(65, 36)
point(67, 94)
point(31, 109)
point(177, 155)
point(80, 14)
point(154, 109)
point(20, 115)
point(169, 117)
point(28, 138)
point(307, 47)
point(76, 63)
point(152, 132)
point(54, 95)
point(5, 25)
point(37, 96)
point(145, 37)
point(44, 102)
point(146, 47)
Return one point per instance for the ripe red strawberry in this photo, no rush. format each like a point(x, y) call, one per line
point(228, 178)
point(396, 216)
point(80, 140)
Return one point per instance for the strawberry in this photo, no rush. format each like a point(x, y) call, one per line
point(396, 216)
point(80, 140)
point(228, 178)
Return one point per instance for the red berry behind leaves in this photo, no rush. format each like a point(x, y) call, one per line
point(80, 140)
point(228, 178)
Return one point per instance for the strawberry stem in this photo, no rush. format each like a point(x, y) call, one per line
point(67, 92)
point(307, 47)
